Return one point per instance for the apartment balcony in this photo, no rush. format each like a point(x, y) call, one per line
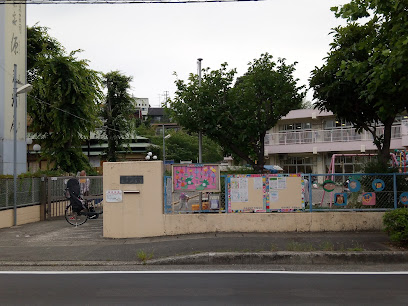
point(336, 139)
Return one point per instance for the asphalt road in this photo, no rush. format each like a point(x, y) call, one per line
point(219, 288)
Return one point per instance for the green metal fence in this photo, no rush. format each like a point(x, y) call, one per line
point(28, 192)
point(322, 192)
point(355, 191)
point(48, 191)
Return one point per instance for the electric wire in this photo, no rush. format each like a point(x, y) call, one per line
point(116, 1)
point(71, 114)
point(53, 106)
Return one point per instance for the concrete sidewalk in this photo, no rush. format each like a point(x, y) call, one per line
point(58, 243)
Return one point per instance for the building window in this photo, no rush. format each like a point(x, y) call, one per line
point(330, 124)
point(349, 164)
point(295, 126)
point(297, 164)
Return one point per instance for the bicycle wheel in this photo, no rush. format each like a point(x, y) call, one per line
point(75, 218)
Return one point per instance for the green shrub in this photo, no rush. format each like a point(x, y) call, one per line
point(396, 225)
point(375, 166)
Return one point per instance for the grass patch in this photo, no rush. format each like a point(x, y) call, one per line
point(327, 246)
point(299, 247)
point(356, 249)
point(143, 256)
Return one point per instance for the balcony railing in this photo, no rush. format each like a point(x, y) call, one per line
point(330, 135)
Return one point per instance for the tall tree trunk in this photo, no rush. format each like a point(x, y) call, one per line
point(384, 153)
point(259, 167)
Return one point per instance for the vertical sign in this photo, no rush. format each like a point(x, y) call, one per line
point(12, 51)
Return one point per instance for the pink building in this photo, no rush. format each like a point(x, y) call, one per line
point(306, 139)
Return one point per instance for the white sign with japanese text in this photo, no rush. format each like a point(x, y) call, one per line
point(113, 196)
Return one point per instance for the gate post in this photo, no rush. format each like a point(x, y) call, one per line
point(49, 196)
point(43, 198)
point(395, 191)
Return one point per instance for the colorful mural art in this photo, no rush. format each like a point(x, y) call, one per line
point(196, 177)
point(368, 198)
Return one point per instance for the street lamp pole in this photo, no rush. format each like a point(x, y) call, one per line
point(200, 139)
point(200, 136)
point(164, 152)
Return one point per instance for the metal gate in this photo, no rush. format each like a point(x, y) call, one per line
point(56, 202)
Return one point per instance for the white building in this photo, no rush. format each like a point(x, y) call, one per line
point(142, 104)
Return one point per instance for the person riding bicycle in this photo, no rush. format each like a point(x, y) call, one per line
point(84, 183)
point(73, 193)
point(79, 206)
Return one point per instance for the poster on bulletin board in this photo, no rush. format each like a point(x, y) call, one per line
point(264, 193)
point(196, 177)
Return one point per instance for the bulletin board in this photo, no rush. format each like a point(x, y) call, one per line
point(196, 177)
point(284, 193)
point(246, 193)
point(265, 193)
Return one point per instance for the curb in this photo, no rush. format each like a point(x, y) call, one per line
point(78, 263)
point(291, 258)
point(264, 258)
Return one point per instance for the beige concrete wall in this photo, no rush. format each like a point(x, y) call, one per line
point(273, 222)
point(138, 215)
point(24, 215)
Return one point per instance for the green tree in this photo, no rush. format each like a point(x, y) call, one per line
point(63, 103)
point(118, 113)
point(238, 117)
point(306, 104)
point(364, 78)
point(39, 44)
point(182, 146)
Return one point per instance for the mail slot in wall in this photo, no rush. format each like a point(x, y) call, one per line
point(131, 191)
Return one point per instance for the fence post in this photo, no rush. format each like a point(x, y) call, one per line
point(7, 192)
point(43, 198)
point(226, 194)
point(32, 190)
point(165, 194)
point(310, 193)
point(49, 194)
point(395, 191)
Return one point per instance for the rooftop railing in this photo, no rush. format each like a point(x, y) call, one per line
point(341, 134)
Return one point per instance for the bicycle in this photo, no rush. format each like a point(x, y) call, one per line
point(79, 210)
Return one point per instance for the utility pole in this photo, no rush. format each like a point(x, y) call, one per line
point(15, 144)
point(200, 139)
point(166, 94)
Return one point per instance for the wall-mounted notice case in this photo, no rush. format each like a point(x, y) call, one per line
point(131, 179)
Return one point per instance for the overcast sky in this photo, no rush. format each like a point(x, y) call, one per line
point(152, 41)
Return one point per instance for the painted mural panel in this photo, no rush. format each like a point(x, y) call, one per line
point(196, 177)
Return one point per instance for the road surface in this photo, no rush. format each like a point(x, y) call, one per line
point(202, 288)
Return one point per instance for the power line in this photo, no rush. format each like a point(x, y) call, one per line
point(67, 112)
point(53, 106)
point(112, 1)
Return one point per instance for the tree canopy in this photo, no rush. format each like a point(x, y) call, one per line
point(181, 145)
point(364, 77)
point(118, 112)
point(238, 116)
point(63, 104)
